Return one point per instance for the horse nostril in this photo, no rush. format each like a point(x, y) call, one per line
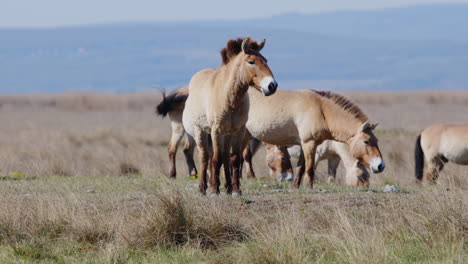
point(272, 87)
point(381, 167)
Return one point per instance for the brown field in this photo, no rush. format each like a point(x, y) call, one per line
point(83, 181)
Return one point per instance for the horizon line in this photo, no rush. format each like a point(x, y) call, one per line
point(182, 21)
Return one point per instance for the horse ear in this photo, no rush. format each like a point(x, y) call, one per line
point(364, 126)
point(261, 45)
point(373, 126)
point(245, 45)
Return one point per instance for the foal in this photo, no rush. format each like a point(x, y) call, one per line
point(218, 105)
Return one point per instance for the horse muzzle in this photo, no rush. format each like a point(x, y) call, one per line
point(269, 86)
point(377, 165)
point(286, 176)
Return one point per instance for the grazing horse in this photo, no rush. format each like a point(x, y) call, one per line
point(277, 159)
point(439, 144)
point(335, 152)
point(218, 105)
point(173, 105)
point(330, 150)
point(307, 118)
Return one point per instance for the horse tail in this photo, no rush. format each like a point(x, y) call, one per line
point(418, 159)
point(170, 102)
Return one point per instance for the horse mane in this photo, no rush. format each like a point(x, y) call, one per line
point(345, 104)
point(234, 47)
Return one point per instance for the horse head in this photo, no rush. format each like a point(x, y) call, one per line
point(279, 162)
point(364, 147)
point(357, 175)
point(254, 70)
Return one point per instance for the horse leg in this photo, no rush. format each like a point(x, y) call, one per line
point(247, 154)
point(434, 167)
point(226, 164)
point(237, 145)
point(300, 169)
point(201, 139)
point(189, 148)
point(309, 155)
point(332, 167)
point(286, 166)
point(273, 162)
point(216, 161)
point(177, 134)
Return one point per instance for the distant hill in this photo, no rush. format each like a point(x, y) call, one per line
point(421, 22)
point(383, 49)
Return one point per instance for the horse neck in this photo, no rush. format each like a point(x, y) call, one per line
point(235, 86)
point(342, 125)
point(342, 149)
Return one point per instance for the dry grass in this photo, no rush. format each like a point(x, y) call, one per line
point(83, 182)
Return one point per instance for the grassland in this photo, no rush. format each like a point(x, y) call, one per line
point(68, 196)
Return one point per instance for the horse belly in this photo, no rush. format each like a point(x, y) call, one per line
point(192, 120)
point(271, 132)
point(458, 157)
point(456, 153)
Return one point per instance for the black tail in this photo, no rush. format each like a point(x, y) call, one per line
point(419, 159)
point(170, 102)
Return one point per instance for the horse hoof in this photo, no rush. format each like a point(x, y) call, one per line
point(214, 194)
point(235, 194)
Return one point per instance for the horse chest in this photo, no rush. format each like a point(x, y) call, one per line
point(230, 122)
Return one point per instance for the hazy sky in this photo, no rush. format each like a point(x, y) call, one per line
point(53, 13)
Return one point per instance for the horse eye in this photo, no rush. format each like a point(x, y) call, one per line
point(366, 142)
point(251, 62)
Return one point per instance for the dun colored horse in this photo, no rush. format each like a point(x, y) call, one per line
point(277, 159)
point(218, 105)
point(307, 118)
point(439, 144)
point(330, 150)
point(335, 152)
point(173, 105)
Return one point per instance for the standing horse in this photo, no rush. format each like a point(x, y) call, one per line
point(439, 144)
point(218, 105)
point(307, 118)
point(173, 105)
